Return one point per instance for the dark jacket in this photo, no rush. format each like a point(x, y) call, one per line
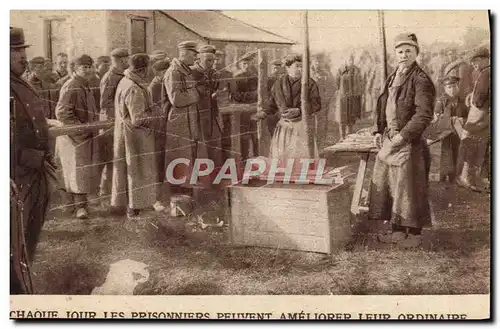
point(108, 85)
point(29, 156)
point(414, 105)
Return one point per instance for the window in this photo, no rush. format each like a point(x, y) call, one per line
point(138, 36)
point(56, 36)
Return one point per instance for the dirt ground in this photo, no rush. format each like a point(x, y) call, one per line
point(74, 256)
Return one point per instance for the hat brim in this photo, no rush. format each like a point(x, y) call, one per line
point(408, 43)
point(20, 46)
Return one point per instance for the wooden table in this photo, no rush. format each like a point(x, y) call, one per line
point(364, 152)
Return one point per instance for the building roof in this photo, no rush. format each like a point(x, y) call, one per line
point(214, 25)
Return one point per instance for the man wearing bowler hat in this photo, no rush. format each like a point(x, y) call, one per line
point(30, 164)
point(109, 83)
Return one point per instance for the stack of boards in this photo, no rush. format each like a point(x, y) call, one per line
point(354, 143)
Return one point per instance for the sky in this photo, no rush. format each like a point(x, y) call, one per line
point(331, 29)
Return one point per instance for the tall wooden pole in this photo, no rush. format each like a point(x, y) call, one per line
point(381, 25)
point(304, 97)
point(263, 134)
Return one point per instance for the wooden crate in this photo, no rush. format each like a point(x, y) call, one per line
point(288, 216)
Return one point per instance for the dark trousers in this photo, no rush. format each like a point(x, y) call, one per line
point(160, 147)
point(248, 131)
point(105, 168)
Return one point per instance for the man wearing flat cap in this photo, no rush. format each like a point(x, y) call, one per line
point(61, 68)
point(326, 86)
point(277, 71)
point(477, 126)
point(208, 131)
point(183, 94)
point(30, 164)
point(225, 78)
point(79, 151)
point(161, 108)
point(135, 169)
point(450, 106)
point(399, 190)
point(46, 89)
point(349, 96)
point(155, 56)
point(109, 83)
point(245, 91)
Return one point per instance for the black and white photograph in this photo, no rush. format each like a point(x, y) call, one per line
point(250, 152)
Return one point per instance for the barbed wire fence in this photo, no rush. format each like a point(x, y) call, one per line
point(191, 141)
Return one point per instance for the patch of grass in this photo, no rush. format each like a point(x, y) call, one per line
point(74, 256)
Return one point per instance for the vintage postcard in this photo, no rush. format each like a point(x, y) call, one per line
point(250, 165)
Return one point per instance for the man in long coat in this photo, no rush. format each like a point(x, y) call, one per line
point(209, 130)
point(61, 65)
point(325, 83)
point(226, 83)
point(30, 162)
point(134, 169)
point(245, 91)
point(78, 152)
point(108, 85)
point(349, 96)
point(181, 89)
point(46, 89)
point(161, 108)
point(478, 122)
point(400, 192)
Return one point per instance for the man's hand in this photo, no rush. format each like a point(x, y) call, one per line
point(436, 117)
point(260, 115)
point(468, 100)
point(397, 141)
point(291, 113)
point(378, 141)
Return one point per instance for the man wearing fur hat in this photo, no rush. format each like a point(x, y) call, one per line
point(79, 151)
point(399, 190)
point(108, 85)
point(135, 169)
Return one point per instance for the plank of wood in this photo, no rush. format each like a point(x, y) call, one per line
point(359, 184)
point(238, 108)
point(264, 137)
point(79, 128)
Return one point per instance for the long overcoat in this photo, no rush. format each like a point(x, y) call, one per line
point(183, 126)
point(134, 169)
point(401, 191)
point(78, 152)
point(29, 158)
point(350, 92)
